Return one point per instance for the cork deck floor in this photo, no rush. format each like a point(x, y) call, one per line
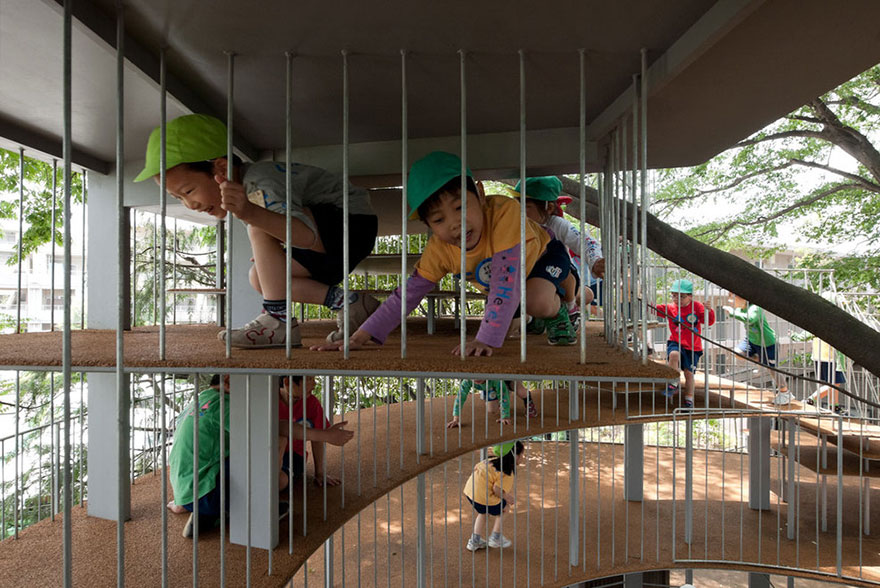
point(198, 346)
point(378, 547)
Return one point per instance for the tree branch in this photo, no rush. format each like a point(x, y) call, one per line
point(764, 219)
point(803, 134)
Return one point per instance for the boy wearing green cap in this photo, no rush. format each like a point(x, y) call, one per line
point(196, 175)
point(685, 346)
point(493, 251)
point(542, 195)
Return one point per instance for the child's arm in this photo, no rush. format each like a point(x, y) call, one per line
point(318, 453)
point(501, 303)
point(498, 491)
point(334, 435)
point(463, 390)
point(386, 318)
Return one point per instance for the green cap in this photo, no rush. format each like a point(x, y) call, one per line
point(188, 139)
point(546, 188)
point(428, 175)
point(682, 287)
point(503, 449)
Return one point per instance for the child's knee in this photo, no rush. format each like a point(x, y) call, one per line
point(542, 306)
point(254, 279)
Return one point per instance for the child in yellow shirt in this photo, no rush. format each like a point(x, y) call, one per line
point(493, 253)
point(490, 491)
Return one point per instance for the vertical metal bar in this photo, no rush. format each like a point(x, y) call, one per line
point(689, 484)
point(247, 488)
point(164, 466)
point(162, 199)
point(20, 236)
point(582, 178)
point(52, 254)
point(230, 176)
point(82, 273)
point(463, 262)
point(522, 203)
point(53, 445)
point(839, 495)
point(346, 310)
point(121, 382)
point(643, 111)
point(15, 505)
point(195, 487)
point(288, 196)
point(404, 212)
point(173, 272)
point(635, 264)
point(421, 540)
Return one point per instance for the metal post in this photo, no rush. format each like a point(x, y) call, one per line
point(422, 544)
point(634, 458)
point(522, 203)
point(163, 208)
point(121, 379)
point(463, 262)
point(582, 178)
point(346, 310)
point(758, 580)
point(573, 479)
point(230, 176)
point(288, 194)
point(404, 212)
point(759, 462)
point(644, 212)
point(689, 483)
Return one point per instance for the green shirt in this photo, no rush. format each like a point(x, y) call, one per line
point(754, 318)
point(491, 390)
point(180, 460)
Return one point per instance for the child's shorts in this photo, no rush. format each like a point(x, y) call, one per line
point(689, 357)
point(327, 267)
point(554, 265)
point(297, 466)
point(209, 504)
point(766, 355)
point(824, 372)
point(494, 510)
point(598, 289)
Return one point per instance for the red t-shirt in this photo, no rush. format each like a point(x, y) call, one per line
point(314, 417)
point(691, 315)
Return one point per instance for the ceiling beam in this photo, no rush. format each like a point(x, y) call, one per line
point(14, 135)
point(103, 27)
point(706, 32)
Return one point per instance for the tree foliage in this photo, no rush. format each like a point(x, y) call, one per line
point(816, 170)
point(37, 204)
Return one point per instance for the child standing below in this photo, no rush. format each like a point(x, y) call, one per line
point(196, 175)
point(542, 195)
point(180, 458)
point(490, 491)
point(492, 239)
point(760, 340)
point(496, 393)
point(684, 347)
point(320, 432)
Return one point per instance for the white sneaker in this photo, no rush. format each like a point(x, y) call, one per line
point(476, 545)
point(263, 332)
point(358, 312)
point(499, 542)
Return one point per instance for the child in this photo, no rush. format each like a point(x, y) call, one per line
point(319, 433)
point(196, 175)
point(180, 459)
point(495, 393)
point(828, 361)
point(760, 340)
point(542, 206)
point(490, 491)
point(493, 259)
point(684, 347)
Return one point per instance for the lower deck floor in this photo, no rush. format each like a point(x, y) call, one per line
point(614, 535)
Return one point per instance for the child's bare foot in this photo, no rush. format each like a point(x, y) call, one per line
point(176, 509)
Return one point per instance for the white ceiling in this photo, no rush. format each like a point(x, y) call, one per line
point(718, 72)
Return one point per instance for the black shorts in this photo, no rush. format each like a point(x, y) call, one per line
point(494, 510)
point(298, 465)
point(327, 267)
point(554, 265)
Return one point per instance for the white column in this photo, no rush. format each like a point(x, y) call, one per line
point(264, 478)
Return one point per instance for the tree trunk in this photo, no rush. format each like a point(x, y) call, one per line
point(802, 308)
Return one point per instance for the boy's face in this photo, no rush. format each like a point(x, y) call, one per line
point(197, 190)
point(444, 219)
point(535, 212)
point(682, 299)
point(296, 390)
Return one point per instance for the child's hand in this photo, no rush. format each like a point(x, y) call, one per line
point(474, 348)
point(599, 268)
point(336, 435)
point(509, 498)
point(503, 421)
point(357, 340)
point(455, 422)
point(233, 198)
point(331, 481)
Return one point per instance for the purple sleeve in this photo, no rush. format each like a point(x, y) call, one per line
point(386, 318)
point(503, 298)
